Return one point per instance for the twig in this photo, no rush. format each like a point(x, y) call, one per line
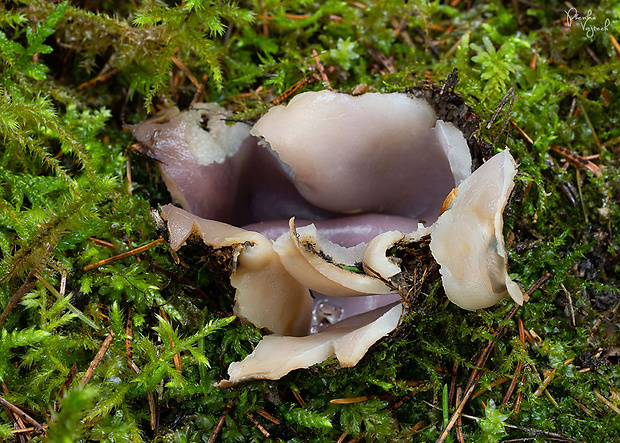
point(19, 413)
point(220, 423)
point(99, 79)
point(609, 404)
point(509, 95)
point(378, 56)
point(522, 132)
point(268, 416)
point(578, 160)
point(258, 425)
point(570, 304)
point(348, 401)
point(102, 242)
point(32, 429)
point(459, 423)
point(615, 43)
point(23, 290)
point(68, 380)
point(532, 431)
point(17, 421)
point(124, 255)
point(293, 89)
point(186, 71)
point(98, 357)
point(300, 400)
point(492, 385)
point(319, 65)
point(477, 373)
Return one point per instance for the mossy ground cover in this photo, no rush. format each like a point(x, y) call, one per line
point(73, 194)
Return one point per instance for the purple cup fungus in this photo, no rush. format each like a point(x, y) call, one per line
point(324, 188)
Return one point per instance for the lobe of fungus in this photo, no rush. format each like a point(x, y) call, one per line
point(267, 296)
point(467, 240)
point(368, 153)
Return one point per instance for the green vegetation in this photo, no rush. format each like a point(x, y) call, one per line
point(71, 76)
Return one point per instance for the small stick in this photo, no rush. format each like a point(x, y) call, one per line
point(63, 283)
point(522, 132)
point(452, 394)
point(220, 423)
point(459, 423)
point(293, 90)
point(268, 416)
point(68, 380)
point(99, 79)
point(510, 95)
point(570, 304)
point(102, 242)
point(300, 400)
point(23, 290)
point(128, 169)
point(19, 413)
point(319, 65)
point(578, 160)
point(26, 430)
point(129, 333)
point(615, 43)
point(342, 437)
point(382, 59)
point(199, 90)
point(607, 402)
point(17, 421)
point(186, 71)
point(124, 255)
point(98, 357)
point(492, 385)
point(347, 401)
point(258, 425)
point(477, 373)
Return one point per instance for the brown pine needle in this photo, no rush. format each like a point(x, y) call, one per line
point(124, 255)
point(93, 365)
point(347, 401)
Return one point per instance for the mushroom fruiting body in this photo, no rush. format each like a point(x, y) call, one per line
point(326, 147)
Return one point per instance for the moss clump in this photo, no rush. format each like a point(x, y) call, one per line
point(73, 195)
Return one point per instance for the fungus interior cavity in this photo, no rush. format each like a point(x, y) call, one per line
point(348, 167)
